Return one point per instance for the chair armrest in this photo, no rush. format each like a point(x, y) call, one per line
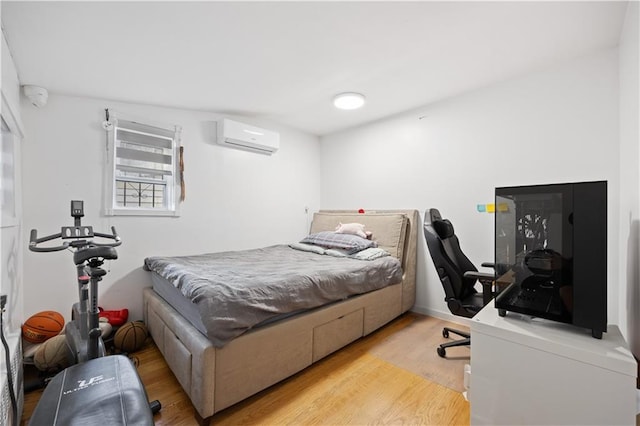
point(488, 265)
point(480, 276)
point(487, 283)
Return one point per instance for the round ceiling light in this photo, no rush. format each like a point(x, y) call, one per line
point(349, 100)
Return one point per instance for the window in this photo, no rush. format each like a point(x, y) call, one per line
point(144, 174)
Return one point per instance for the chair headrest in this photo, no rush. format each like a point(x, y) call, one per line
point(443, 228)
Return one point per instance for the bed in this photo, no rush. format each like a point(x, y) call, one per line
point(219, 370)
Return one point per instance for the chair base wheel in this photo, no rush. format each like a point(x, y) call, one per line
point(445, 333)
point(155, 406)
point(442, 352)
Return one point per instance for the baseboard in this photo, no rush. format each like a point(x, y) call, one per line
point(446, 316)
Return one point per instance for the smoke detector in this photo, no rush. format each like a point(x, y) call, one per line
point(37, 95)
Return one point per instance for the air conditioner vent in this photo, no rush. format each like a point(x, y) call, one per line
point(246, 137)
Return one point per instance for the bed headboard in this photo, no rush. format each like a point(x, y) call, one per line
point(394, 230)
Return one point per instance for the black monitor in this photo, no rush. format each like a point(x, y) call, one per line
point(551, 252)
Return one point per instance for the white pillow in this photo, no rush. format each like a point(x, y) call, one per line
point(335, 252)
point(307, 247)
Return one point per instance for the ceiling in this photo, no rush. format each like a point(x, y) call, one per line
point(284, 61)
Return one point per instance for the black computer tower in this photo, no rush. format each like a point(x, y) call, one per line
point(551, 252)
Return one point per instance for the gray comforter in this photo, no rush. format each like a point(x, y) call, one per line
point(235, 291)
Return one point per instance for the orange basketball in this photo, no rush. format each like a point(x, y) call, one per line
point(42, 326)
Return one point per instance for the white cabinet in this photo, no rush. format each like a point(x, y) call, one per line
point(532, 371)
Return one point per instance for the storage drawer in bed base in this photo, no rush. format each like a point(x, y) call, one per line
point(329, 337)
point(197, 376)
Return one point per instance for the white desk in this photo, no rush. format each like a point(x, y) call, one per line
point(535, 371)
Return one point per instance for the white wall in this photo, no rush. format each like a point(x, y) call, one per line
point(629, 60)
point(234, 199)
point(554, 125)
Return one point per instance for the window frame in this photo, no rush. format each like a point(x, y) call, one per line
point(8, 176)
point(171, 204)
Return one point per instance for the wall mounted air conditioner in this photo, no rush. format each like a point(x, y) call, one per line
point(249, 138)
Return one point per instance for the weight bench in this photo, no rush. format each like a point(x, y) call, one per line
point(103, 390)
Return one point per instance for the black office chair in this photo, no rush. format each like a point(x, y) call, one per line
point(457, 273)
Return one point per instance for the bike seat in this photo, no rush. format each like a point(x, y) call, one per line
point(84, 254)
point(103, 390)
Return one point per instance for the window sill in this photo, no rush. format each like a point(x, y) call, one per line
point(141, 212)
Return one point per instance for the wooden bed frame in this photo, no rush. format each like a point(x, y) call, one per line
point(216, 378)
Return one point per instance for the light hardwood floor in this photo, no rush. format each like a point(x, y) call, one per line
point(392, 376)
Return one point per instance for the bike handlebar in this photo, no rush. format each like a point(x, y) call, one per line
point(34, 241)
point(114, 236)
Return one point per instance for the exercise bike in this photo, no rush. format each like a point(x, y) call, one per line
point(83, 334)
point(96, 388)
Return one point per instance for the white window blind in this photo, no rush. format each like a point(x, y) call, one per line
point(145, 178)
